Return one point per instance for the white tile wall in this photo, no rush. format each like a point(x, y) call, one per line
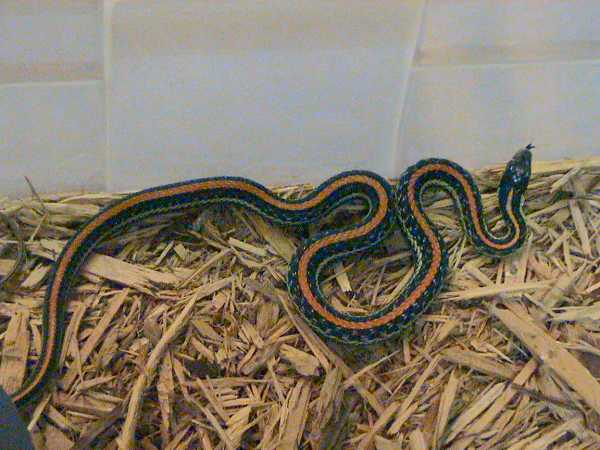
point(481, 114)
point(125, 94)
point(280, 91)
point(53, 133)
point(50, 40)
point(502, 31)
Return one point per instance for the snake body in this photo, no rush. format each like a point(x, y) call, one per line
point(386, 206)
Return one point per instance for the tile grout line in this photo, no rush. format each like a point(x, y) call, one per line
point(397, 158)
point(107, 8)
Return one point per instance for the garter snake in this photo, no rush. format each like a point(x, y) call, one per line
point(386, 206)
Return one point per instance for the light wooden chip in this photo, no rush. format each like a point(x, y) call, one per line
point(482, 364)
point(402, 416)
point(490, 291)
point(281, 243)
point(6, 266)
point(297, 412)
point(166, 396)
point(342, 277)
point(93, 340)
point(127, 438)
point(35, 277)
point(417, 440)
point(551, 353)
point(386, 444)
point(247, 247)
point(382, 421)
point(580, 226)
point(14, 353)
point(498, 406)
point(443, 414)
point(549, 437)
point(56, 439)
point(304, 363)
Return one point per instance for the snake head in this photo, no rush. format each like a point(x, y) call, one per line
point(517, 172)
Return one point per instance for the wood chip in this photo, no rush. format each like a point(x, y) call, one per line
point(482, 364)
point(296, 411)
point(182, 333)
point(304, 363)
point(14, 352)
point(127, 438)
point(443, 414)
point(551, 353)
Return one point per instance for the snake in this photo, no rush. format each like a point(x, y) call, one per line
point(386, 206)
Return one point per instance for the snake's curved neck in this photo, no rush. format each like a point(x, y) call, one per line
point(459, 184)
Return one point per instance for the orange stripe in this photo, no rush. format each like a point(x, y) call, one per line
point(154, 195)
point(435, 245)
point(473, 208)
point(412, 298)
point(303, 264)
